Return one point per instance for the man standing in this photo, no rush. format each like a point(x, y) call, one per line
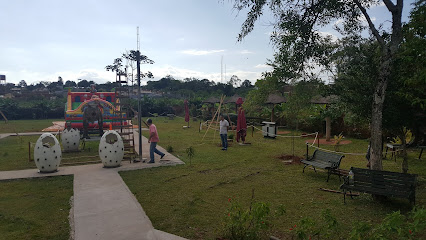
point(153, 139)
point(224, 124)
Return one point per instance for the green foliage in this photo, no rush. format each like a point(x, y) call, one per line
point(411, 58)
point(408, 137)
point(256, 98)
point(298, 106)
point(169, 148)
point(39, 108)
point(307, 228)
point(190, 152)
point(394, 226)
point(231, 136)
point(241, 224)
point(337, 140)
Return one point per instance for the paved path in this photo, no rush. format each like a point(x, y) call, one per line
point(104, 208)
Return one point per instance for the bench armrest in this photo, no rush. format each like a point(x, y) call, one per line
point(345, 180)
point(334, 164)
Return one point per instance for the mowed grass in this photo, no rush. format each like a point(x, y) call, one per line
point(14, 153)
point(35, 208)
point(191, 200)
point(13, 126)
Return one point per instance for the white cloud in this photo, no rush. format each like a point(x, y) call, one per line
point(262, 66)
point(328, 34)
point(200, 52)
point(339, 21)
point(378, 4)
point(246, 52)
point(364, 20)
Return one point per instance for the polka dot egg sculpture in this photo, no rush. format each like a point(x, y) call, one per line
point(47, 153)
point(70, 140)
point(111, 149)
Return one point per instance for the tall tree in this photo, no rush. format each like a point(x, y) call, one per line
point(300, 44)
point(83, 84)
point(70, 83)
point(22, 83)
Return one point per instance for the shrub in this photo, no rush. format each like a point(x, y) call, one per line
point(231, 136)
point(246, 224)
point(169, 149)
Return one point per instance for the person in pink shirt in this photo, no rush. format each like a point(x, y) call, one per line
point(153, 139)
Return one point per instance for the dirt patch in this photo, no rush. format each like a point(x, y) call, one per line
point(173, 178)
point(289, 159)
point(57, 126)
point(283, 132)
point(322, 141)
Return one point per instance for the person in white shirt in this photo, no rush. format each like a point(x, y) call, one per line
point(224, 124)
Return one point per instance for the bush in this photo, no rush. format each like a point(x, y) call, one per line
point(231, 136)
point(169, 149)
point(246, 224)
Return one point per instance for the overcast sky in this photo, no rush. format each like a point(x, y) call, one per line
point(43, 39)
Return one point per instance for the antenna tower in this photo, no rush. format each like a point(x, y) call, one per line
point(221, 69)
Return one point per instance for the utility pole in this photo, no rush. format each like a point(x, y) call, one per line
point(138, 66)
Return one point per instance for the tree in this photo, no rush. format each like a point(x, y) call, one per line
point(234, 81)
point(357, 62)
point(83, 84)
point(60, 81)
point(69, 83)
point(246, 84)
point(22, 84)
point(298, 103)
point(300, 44)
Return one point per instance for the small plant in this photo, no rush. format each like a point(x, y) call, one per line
point(307, 228)
point(394, 226)
point(246, 224)
point(190, 152)
point(337, 140)
point(408, 137)
point(231, 136)
point(169, 149)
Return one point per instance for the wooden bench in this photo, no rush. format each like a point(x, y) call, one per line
point(384, 183)
point(321, 159)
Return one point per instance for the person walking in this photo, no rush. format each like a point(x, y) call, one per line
point(223, 130)
point(153, 140)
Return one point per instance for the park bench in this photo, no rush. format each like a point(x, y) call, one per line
point(383, 183)
point(322, 159)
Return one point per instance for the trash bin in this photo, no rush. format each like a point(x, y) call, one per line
point(269, 129)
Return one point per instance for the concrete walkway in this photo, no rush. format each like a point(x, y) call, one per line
point(104, 207)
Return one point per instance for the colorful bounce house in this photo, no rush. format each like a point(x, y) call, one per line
point(105, 105)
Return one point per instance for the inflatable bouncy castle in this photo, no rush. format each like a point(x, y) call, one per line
point(106, 102)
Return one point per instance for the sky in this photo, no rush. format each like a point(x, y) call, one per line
point(44, 39)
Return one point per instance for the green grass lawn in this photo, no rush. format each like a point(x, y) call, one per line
point(20, 126)
point(14, 153)
point(192, 200)
point(35, 208)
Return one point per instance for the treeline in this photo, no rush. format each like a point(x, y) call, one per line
point(48, 99)
point(193, 87)
point(34, 109)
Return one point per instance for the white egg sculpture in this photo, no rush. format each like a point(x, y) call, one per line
point(47, 153)
point(111, 149)
point(70, 140)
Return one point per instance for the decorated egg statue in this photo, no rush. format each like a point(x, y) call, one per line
point(47, 153)
point(111, 149)
point(70, 139)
